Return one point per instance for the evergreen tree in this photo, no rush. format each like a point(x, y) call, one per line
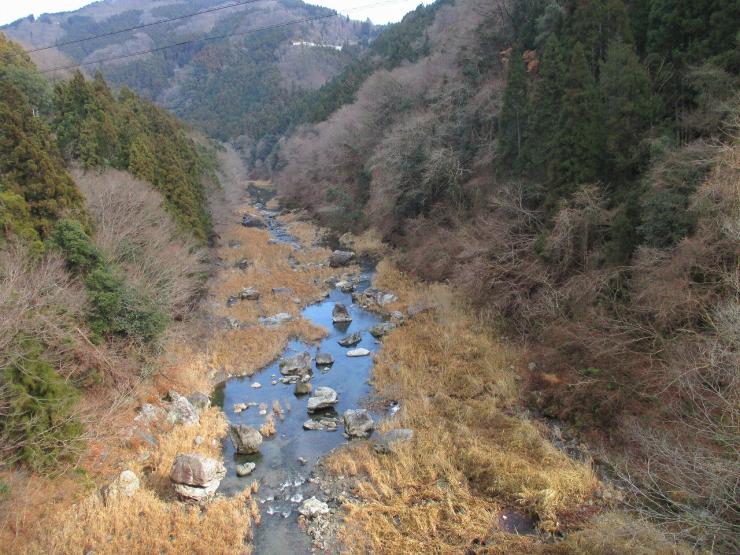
point(40, 417)
point(514, 113)
point(580, 130)
point(546, 107)
point(689, 32)
point(594, 24)
point(626, 93)
point(30, 163)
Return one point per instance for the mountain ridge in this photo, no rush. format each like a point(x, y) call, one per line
point(214, 85)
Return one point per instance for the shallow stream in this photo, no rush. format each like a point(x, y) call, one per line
point(287, 459)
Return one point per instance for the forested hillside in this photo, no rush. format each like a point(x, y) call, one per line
point(229, 88)
point(572, 168)
point(95, 264)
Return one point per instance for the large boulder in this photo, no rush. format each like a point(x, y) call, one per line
point(381, 330)
point(351, 340)
point(358, 423)
point(298, 365)
point(251, 221)
point(181, 411)
point(311, 508)
point(246, 440)
point(392, 438)
point(196, 477)
point(323, 398)
point(358, 352)
point(341, 258)
point(340, 314)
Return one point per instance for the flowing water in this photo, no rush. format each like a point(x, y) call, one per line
point(284, 481)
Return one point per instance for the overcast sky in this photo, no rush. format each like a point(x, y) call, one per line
point(392, 10)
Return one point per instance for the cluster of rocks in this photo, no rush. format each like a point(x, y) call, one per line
point(195, 477)
point(276, 320)
point(246, 294)
point(327, 423)
point(241, 407)
point(373, 299)
point(182, 410)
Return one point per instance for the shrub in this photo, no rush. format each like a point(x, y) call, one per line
point(116, 309)
point(80, 252)
point(667, 219)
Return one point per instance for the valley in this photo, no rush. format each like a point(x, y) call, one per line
point(273, 280)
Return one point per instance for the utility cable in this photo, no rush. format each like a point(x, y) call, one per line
point(142, 26)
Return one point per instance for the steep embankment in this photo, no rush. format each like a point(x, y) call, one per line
point(571, 168)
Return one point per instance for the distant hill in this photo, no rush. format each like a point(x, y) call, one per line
point(229, 87)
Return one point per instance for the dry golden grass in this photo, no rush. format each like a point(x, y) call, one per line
point(369, 243)
point(175, 440)
point(146, 524)
point(244, 351)
point(472, 455)
point(269, 267)
point(616, 534)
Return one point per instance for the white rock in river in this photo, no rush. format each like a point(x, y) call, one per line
point(358, 352)
point(245, 469)
point(311, 508)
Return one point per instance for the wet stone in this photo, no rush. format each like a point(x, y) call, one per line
point(298, 365)
point(323, 398)
point(351, 340)
point(324, 359)
point(340, 314)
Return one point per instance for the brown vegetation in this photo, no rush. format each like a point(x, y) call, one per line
point(473, 456)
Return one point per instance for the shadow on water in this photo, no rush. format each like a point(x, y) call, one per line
point(284, 481)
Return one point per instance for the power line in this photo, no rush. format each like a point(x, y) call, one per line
point(143, 26)
point(211, 38)
point(203, 39)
